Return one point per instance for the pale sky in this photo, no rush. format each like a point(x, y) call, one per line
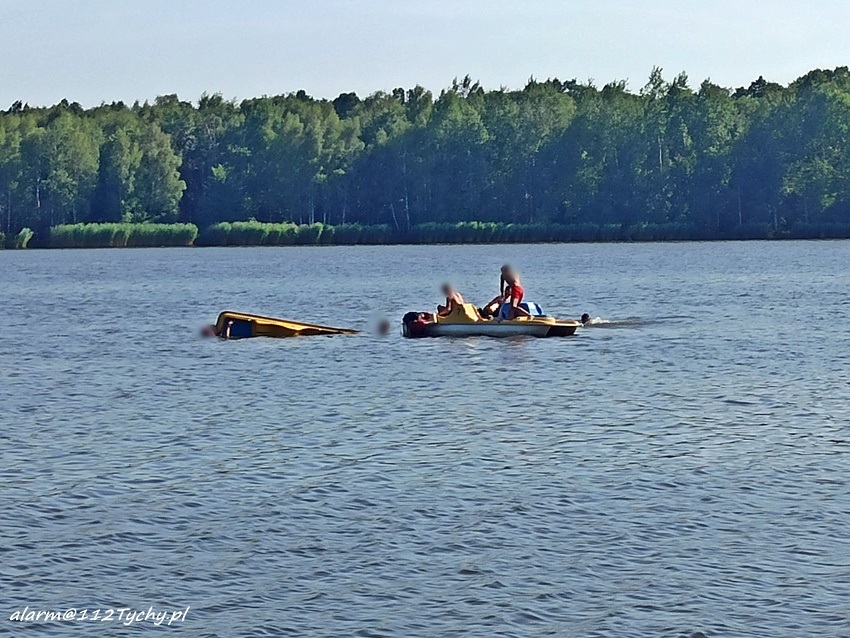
point(92, 51)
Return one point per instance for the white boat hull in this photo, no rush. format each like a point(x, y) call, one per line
point(486, 329)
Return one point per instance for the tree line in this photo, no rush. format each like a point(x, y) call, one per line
point(556, 152)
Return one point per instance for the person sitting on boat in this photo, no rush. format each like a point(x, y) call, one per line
point(453, 300)
point(585, 319)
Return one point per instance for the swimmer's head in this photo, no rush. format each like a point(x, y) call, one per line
point(209, 331)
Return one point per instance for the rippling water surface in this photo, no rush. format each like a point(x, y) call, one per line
point(683, 471)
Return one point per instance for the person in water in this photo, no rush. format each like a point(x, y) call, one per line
point(453, 300)
point(383, 328)
point(213, 331)
point(209, 331)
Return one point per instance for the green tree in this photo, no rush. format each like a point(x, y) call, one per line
point(120, 159)
point(157, 187)
point(763, 158)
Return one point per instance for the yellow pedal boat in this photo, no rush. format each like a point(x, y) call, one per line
point(465, 321)
point(238, 325)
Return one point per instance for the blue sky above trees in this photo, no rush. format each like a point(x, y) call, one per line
point(103, 50)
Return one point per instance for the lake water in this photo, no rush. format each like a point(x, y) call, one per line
point(683, 471)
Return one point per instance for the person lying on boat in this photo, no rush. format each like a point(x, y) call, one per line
point(453, 300)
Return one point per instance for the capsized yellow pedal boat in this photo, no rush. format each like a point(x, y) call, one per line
point(465, 321)
point(239, 325)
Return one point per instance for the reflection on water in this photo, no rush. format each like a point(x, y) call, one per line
point(684, 474)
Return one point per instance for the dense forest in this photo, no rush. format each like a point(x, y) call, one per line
point(556, 152)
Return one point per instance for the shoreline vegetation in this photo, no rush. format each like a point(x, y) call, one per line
point(555, 161)
point(121, 235)
point(251, 233)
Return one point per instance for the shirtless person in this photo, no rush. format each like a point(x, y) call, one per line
point(513, 292)
point(453, 300)
point(510, 291)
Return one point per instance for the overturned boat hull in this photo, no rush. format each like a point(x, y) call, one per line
point(242, 326)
